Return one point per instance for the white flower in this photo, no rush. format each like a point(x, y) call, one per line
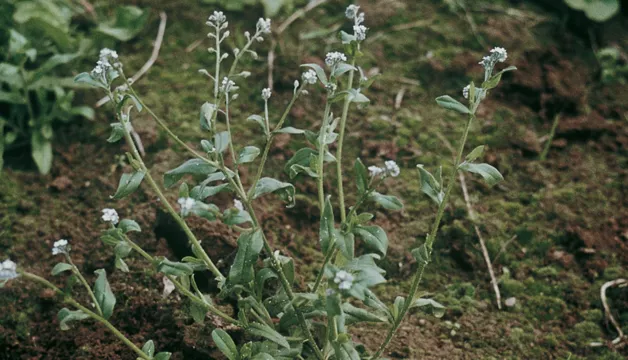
point(8, 270)
point(309, 77)
point(238, 204)
point(60, 247)
point(266, 94)
point(108, 53)
point(485, 61)
point(352, 11)
point(360, 32)
point(110, 215)
point(186, 204)
point(499, 54)
point(263, 26)
point(465, 91)
point(333, 58)
point(227, 85)
point(392, 168)
point(217, 18)
point(330, 292)
point(375, 170)
point(344, 280)
point(359, 19)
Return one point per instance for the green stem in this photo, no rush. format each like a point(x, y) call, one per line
point(322, 146)
point(195, 243)
point(429, 241)
point(182, 289)
point(343, 123)
point(550, 138)
point(269, 141)
point(330, 253)
point(78, 274)
point(93, 315)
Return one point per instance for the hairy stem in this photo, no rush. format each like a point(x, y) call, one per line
point(81, 278)
point(343, 123)
point(429, 241)
point(69, 300)
point(182, 289)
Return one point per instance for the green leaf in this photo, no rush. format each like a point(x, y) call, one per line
point(491, 175)
point(128, 22)
point(290, 130)
point(162, 356)
point(269, 185)
point(121, 265)
point(248, 154)
point(357, 97)
point(450, 103)
point(422, 254)
point(200, 192)
point(236, 217)
point(61, 267)
point(149, 348)
point(122, 249)
point(476, 153)
point(127, 225)
point(374, 237)
point(387, 201)
point(86, 78)
point(11, 97)
point(198, 312)
point(104, 296)
point(221, 141)
point(269, 333)
point(431, 306)
point(361, 176)
point(356, 315)
point(225, 344)
point(128, 184)
point(174, 268)
point(249, 246)
point(343, 68)
point(345, 350)
point(596, 10)
point(41, 151)
point(346, 244)
point(327, 231)
point(207, 114)
point(300, 162)
point(66, 316)
point(320, 73)
point(429, 185)
point(190, 167)
point(262, 356)
point(117, 132)
point(260, 120)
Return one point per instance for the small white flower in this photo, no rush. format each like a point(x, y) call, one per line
point(186, 205)
point(344, 280)
point(331, 87)
point(263, 26)
point(60, 247)
point(375, 170)
point(465, 91)
point(238, 204)
point(110, 215)
point(352, 11)
point(392, 168)
point(227, 85)
point(359, 19)
point(360, 32)
point(333, 58)
point(330, 292)
point(309, 77)
point(266, 94)
point(499, 54)
point(217, 18)
point(8, 270)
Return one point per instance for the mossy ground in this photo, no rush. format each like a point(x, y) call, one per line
point(556, 229)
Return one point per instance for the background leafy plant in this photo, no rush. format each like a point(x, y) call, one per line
point(39, 41)
point(596, 10)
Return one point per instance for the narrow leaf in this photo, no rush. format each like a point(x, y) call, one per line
point(104, 296)
point(128, 184)
point(450, 103)
point(490, 174)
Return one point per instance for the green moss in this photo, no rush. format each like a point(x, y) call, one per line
point(544, 308)
point(585, 332)
point(511, 287)
point(593, 315)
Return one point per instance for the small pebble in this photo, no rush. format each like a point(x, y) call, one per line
point(510, 302)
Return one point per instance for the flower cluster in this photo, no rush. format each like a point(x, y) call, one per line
point(497, 54)
point(390, 169)
point(465, 91)
point(309, 77)
point(8, 270)
point(107, 60)
point(359, 30)
point(110, 215)
point(344, 280)
point(217, 19)
point(263, 26)
point(334, 58)
point(266, 93)
point(227, 85)
point(60, 247)
point(186, 205)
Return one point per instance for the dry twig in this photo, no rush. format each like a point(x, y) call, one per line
point(607, 311)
